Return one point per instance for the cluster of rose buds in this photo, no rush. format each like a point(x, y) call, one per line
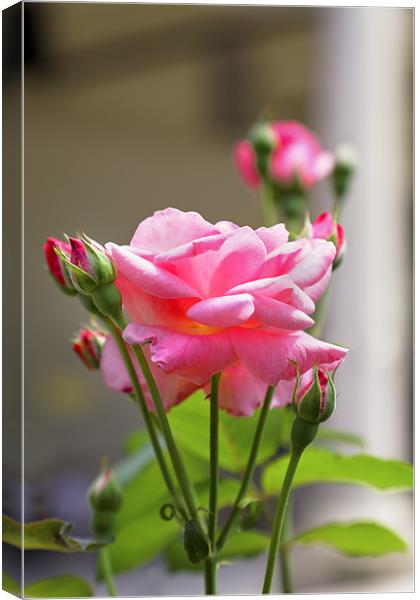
point(88, 345)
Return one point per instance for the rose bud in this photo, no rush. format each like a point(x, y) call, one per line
point(56, 265)
point(346, 162)
point(284, 152)
point(93, 274)
point(88, 346)
point(326, 228)
point(105, 493)
point(195, 542)
point(314, 401)
point(105, 498)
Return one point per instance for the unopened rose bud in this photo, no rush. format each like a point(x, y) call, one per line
point(93, 274)
point(195, 542)
point(105, 492)
point(346, 163)
point(315, 402)
point(88, 346)
point(56, 264)
point(326, 228)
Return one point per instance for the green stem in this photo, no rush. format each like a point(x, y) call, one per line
point(284, 553)
point(268, 205)
point(106, 569)
point(279, 519)
point(236, 510)
point(138, 394)
point(214, 483)
point(178, 465)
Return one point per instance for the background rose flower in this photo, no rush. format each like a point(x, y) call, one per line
point(173, 389)
point(208, 296)
point(298, 154)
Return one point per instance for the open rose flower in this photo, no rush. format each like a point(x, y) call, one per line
point(297, 155)
point(173, 389)
point(209, 296)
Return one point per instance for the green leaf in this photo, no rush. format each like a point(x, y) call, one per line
point(323, 466)
point(147, 488)
point(49, 534)
point(359, 538)
point(63, 586)
point(190, 425)
point(10, 585)
point(239, 545)
point(326, 434)
point(140, 539)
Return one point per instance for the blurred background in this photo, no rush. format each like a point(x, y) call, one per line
point(132, 108)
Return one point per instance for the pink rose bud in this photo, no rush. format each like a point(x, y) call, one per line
point(88, 346)
point(93, 274)
point(314, 401)
point(326, 228)
point(284, 152)
point(57, 266)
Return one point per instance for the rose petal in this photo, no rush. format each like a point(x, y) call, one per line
point(149, 277)
point(194, 357)
point(272, 356)
point(223, 311)
point(169, 228)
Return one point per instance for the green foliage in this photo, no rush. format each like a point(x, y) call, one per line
point(323, 466)
point(142, 538)
point(361, 538)
point(239, 545)
point(62, 586)
point(327, 435)
point(189, 423)
point(49, 534)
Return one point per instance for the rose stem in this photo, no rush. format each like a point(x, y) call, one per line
point(211, 567)
point(249, 469)
point(115, 332)
point(179, 468)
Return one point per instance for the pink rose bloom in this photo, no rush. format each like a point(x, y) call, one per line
point(209, 296)
point(297, 154)
point(324, 227)
point(173, 389)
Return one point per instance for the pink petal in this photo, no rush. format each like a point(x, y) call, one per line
point(238, 260)
point(323, 226)
point(273, 237)
point(281, 288)
point(149, 277)
point(173, 389)
point(151, 310)
point(273, 313)
point(323, 165)
point(313, 265)
point(194, 248)
point(241, 393)
point(223, 311)
point(244, 157)
point(316, 290)
point(273, 356)
point(169, 228)
point(192, 354)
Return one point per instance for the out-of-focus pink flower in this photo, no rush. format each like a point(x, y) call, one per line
point(207, 296)
point(245, 161)
point(324, 227)
point(88, 346)
point(297, 156)
point(56, 265)
point(173, 389)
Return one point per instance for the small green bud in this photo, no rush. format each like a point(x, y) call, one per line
point(317, 403)
point(195, 542)
point(103, 523)
point(105, 493)
point(264, 141)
